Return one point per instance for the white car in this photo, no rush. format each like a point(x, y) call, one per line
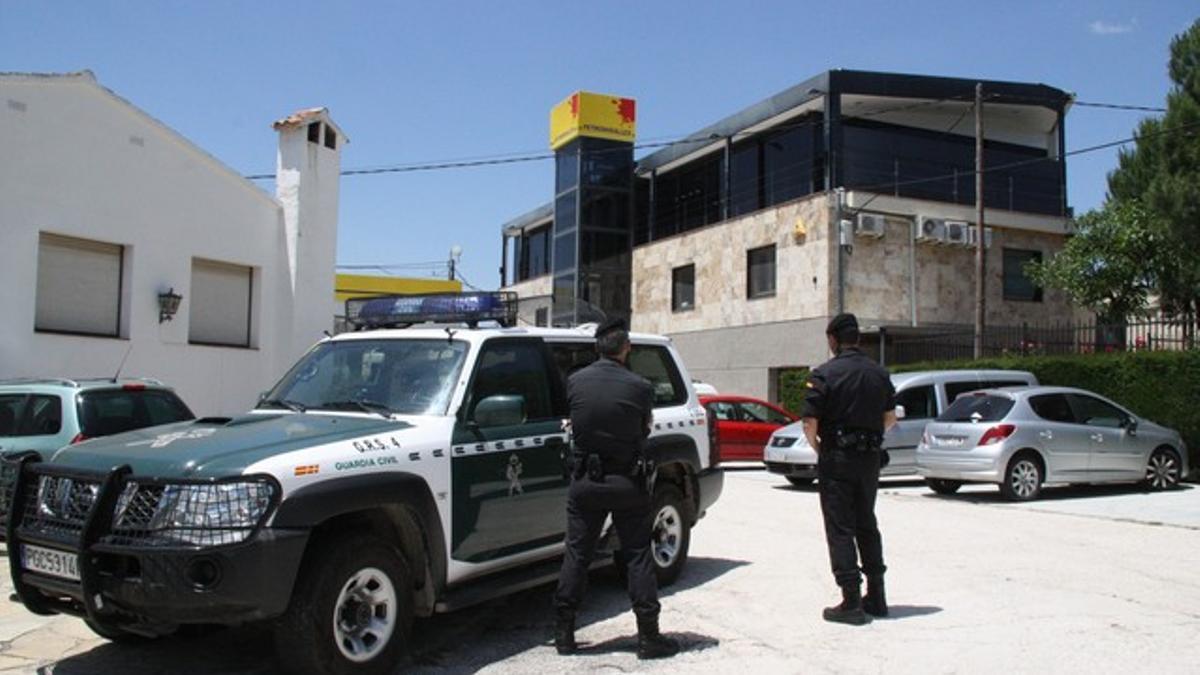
point(921, 395)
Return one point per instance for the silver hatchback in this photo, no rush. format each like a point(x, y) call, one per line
point(1024, 437)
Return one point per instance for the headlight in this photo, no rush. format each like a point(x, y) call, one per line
point(201, 514)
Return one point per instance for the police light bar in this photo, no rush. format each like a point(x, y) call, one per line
point(404, 310)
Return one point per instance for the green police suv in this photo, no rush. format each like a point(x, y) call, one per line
point(394, 472)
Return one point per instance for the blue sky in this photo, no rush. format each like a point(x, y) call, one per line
point(419, 81)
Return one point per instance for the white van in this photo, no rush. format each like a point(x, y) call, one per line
point(922, 395)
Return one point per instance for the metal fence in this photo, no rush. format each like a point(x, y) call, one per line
point(902, 345)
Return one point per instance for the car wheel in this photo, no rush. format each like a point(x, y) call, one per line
point(943, 486)
point(1022, 479)
point(671, 534)
point(351, 612)
point(1162, 471)
point(799, 481)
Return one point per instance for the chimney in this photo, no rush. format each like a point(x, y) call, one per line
point(306, 185)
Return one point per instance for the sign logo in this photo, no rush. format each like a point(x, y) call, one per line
point(513, 473)
point(163, 440)
point(594, 115)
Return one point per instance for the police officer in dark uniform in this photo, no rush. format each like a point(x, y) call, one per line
point(611, 413)
point(850, 403)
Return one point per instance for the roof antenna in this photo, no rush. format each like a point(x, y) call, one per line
point(123, 358)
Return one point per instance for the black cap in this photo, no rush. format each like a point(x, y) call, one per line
point(616, 323)
point(843, 326)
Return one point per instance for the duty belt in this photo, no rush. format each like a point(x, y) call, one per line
point(857, 440)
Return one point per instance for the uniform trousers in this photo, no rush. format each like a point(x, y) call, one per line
point(849, 480)
point(588, 503)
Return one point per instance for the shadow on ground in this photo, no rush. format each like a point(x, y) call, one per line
point(1062, 493)
point(459, 642)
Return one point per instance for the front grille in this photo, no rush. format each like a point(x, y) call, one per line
point(8, 483)
point(58, 507)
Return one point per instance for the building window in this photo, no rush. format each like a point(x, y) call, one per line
point(683, 288)
point(1018, 285)
point(220, 304)
point(79, 286)
point(314, 132)
point(541, 316)
point(330, 138)
point(533, 254)
point(760, 272)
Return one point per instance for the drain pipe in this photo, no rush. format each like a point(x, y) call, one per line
point(840, 234)
point(912, 273)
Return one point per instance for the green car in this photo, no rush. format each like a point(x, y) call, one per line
point(45, 415)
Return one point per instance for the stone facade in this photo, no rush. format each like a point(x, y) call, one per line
point(533, 294)
point(802, 281)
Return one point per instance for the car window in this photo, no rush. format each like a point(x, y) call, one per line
point(977, 408)
point(757, 412)
point(723, 410)
point(656, 365)
point(956, 389)
point(1096, 413)
point(163, 407)
point(571, 356)
point(1052, 407)
point(104, 412)
point(43, 416)
point(515, 368)
point(920, 403)
point(11, 406)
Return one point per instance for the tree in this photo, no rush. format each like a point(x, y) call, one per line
point(1162, 173)
point(1109, 265)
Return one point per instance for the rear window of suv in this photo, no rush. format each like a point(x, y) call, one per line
point(105, 412)
point(977, 408)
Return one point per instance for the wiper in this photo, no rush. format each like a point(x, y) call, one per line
point(363, 404)
point(294, 406)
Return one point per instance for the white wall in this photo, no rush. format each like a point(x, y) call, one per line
point(79, 161)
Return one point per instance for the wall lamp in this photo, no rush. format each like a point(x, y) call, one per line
point(168, 304)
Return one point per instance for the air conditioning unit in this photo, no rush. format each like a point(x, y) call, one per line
point(956, 232)
point(931, 230)
point(973, 237)
point(870, 225)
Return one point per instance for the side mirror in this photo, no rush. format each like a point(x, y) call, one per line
point(901, 413)
point(1130, 424)
point(501, 410)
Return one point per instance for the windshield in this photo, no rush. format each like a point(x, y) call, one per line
point(408, 377)
point(977, 408)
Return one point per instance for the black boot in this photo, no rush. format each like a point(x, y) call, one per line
point(564, 634)
point(875, 602)
point(850, 611)
point(653, 644)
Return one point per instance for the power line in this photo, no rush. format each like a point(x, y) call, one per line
point(1118, 106)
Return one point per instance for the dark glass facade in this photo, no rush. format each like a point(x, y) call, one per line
point(924, 164)
point(593, 231)
point(531, 255)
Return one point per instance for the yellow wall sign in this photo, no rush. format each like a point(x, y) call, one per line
point(595, 115)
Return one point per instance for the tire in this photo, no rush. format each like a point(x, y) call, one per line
point(943, 486)
point(799, 481)
point(351, 611)
point(1163, 470)
point(1022, 479)
point(671, 534)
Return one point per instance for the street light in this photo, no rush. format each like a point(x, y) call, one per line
point(455, 254)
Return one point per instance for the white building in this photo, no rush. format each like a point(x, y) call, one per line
point(103, 209)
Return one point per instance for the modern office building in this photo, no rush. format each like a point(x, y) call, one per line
point(851, 191)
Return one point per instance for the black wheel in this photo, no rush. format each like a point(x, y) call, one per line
point(799, 481)
point(1022, 479)
point(672, 533)
point(351, 611)
point(943, 486)
point(1163, 469)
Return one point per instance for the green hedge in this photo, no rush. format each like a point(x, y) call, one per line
point(1160, 386)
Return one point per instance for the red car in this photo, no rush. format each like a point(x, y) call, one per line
point(744, 425)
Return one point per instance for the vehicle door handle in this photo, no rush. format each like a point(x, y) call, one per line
point(1047, 435)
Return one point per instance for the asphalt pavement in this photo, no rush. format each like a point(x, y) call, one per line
point(1088, 579)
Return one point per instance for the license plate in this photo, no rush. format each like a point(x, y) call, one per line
point(51, 562)
point(951, 441)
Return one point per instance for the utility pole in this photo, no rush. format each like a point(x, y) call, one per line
point(979, 225)
point(455, 254)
